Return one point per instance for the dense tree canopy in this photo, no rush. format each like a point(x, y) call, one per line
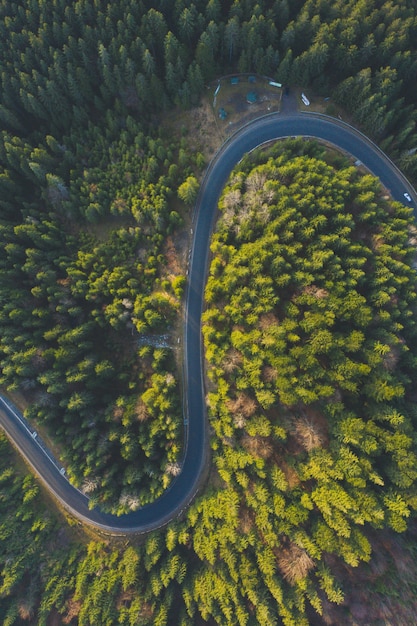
point(310, 337)
point(309, 327)
point(311, 340)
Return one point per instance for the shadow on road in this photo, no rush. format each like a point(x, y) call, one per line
point(289, 104)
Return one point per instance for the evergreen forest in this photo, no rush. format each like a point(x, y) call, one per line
point(308, 514)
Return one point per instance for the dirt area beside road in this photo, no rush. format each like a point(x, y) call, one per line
point(237, 100)
point(223, 109)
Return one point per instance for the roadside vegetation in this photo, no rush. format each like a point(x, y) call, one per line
point(309, 326)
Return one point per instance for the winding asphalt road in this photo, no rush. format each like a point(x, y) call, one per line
point(196, 457)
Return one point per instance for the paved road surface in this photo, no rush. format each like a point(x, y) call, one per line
point(183, 489)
